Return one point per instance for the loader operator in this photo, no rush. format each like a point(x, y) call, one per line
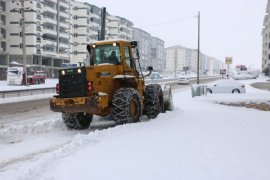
point(112, 58)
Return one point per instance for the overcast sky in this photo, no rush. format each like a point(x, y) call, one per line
point(228, 27)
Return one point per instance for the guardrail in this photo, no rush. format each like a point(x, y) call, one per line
point(25, 92)
point(174, 80)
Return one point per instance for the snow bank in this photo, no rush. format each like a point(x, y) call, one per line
point(198, 140)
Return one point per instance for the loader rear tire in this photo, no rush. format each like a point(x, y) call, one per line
point(126, 106)
point(77, 120)
point(153, 101)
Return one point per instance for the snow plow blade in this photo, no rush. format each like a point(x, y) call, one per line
point(167, 97)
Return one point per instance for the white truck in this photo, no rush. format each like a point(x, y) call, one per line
point(15, 76)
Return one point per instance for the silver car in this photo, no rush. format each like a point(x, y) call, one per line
point(183, 80)
point(226, 86)
point(243, 76)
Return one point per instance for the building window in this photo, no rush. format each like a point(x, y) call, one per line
point(38, 37)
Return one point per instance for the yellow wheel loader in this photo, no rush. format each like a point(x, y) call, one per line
point(112, 85)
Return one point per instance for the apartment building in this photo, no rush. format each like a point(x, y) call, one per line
point(179, 57)
point(118, 28)
point(57, 32)
point(143, 39)
point(48, 31)
point(266, 39)
point(86, 28)
point(152, 52)
point(157, 54)
point(3, 39)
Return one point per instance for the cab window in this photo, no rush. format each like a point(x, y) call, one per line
point(107, 54)
point(127, 56)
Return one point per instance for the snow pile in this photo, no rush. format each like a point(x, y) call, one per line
point(198, 140)
point(49, 83)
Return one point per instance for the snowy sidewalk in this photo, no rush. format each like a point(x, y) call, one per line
point(198, 140)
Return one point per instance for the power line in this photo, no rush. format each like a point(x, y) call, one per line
point(169, 22)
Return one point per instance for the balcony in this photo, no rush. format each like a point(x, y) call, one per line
point(2, 10)
point(64, 45)
point(49, 52)
point(49, 42)
point(64, 14)
point(64, 4)
point(49, 19)
point(64, 35)
point(49, 31)
point(50, 9)
point(2, 23)
point(64, 24)
point(2, 37)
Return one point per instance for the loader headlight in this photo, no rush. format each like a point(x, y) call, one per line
point(79, 71)
point(63, 72)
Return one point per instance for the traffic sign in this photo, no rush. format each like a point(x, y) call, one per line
point(228, 60)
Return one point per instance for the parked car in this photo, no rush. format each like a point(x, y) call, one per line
point(244, 75)
point(226, 86)
point(183, 80)
point(156, 75)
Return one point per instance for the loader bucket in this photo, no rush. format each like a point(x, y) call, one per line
point(167, 97)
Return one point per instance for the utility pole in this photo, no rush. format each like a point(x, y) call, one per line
point(24, 45)
point(22, 22)
point(103, 24)
point(198, 52)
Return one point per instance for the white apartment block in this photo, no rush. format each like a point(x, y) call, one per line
point(48, 34)
point(3, 38)
point(86, 27)
point(118, 28)
point(266, 39)
point(178, 57)
point(57, 31)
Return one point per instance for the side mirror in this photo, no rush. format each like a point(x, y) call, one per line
point(149, 68)
point(134, 44)
point(88, 48)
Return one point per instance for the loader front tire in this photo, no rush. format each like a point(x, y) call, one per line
point(77, 120)
point(126, 106)
point(153, 101)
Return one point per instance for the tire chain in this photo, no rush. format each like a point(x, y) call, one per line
point(151, 100)
point(120, 103)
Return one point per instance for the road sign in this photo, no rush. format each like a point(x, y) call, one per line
point(185, 68)
point(228, 60)
point(222, 71)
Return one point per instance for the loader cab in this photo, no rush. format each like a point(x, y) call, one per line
point(122, 53)
point(109, 53)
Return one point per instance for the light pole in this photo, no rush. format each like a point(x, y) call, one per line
point(198, 51)
point(22, 10)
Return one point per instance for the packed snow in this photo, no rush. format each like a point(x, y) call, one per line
point(198, 140)
point(49, 83)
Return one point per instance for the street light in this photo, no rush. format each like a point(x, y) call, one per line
point(22, 10)
point(198, 51)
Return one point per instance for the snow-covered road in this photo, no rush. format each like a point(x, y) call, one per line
point(198, 140)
